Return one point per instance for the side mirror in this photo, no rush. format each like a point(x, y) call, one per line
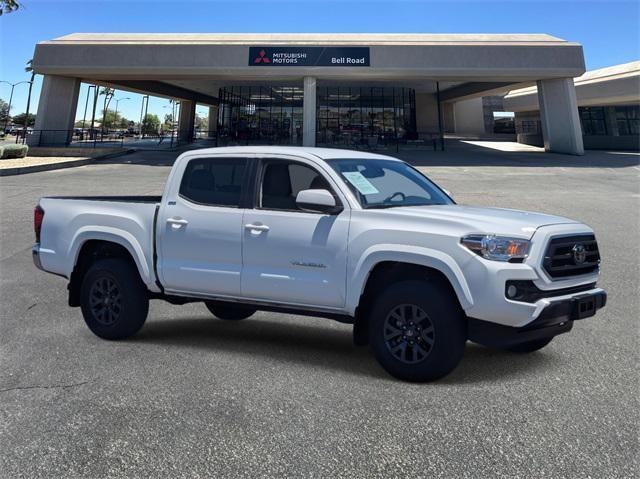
point(318, 201)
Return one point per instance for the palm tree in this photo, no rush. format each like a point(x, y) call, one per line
point(108, 95)
point(8, 6)
point(29, 69)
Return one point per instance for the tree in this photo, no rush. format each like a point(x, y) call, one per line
point(124, 123)
point(150, 124)
point(29, 69)
point(111, 119)
point(8, 6)
point(20, 119)
point(168, 122)
point(202, 122)
point(108, 95)
point(4, 111)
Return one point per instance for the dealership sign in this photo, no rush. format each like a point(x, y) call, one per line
point(309, 56)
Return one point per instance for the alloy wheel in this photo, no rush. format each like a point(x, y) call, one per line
point(408, 333)
point(105, 301)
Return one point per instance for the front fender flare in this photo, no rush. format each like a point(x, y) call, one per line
point(406, 254)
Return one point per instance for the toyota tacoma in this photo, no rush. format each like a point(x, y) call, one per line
point(358, 237)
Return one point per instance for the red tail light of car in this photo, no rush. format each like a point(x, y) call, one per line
point(38, 216)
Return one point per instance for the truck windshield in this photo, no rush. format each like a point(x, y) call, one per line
point(388, 183)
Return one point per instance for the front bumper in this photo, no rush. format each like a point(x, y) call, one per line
point(35, 255)
point(556, 317)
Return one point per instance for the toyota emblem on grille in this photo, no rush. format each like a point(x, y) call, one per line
point(579, 253)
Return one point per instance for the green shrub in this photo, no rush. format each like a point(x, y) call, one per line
point(1, 151)
point(14, 151)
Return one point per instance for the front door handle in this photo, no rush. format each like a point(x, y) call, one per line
point(256, 229)
point(177, 222)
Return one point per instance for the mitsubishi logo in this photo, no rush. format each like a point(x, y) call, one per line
point(262, 58)
point(579, 253)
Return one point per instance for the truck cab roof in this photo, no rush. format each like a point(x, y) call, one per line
point(326, 154)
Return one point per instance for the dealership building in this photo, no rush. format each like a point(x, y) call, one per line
point(317, 89)
point(608, 106)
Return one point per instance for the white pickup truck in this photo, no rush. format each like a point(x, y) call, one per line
point(357, 237)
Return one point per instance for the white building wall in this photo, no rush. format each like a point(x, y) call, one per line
point(468, 117)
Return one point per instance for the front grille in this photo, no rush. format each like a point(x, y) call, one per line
point(564, 255)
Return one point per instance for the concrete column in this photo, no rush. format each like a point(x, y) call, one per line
point(309, 112)
point(213, 121)
point(56, 111)
point(449, 117)
point(426, 113)
point(186, 120)
point(559, 116)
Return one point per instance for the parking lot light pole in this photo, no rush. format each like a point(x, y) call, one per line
point(118, 100)
point(86, 104)
point(145, 100)
point(13, 85)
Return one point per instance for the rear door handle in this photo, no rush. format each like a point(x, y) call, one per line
point(256, 228)
point(177, 222)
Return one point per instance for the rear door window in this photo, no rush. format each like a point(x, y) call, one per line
point(214, 181)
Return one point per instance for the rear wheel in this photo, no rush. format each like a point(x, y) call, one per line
point(229, 312)
point(530, 346)
point(417, 330)
point(113, 299)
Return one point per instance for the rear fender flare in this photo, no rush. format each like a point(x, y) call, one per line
point(113, 235)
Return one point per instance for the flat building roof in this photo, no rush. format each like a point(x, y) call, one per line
point(195, 65)
point(311, 39)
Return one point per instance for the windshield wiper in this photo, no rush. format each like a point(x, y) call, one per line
point(382, 206)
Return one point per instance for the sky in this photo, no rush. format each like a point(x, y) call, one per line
point(608, 30)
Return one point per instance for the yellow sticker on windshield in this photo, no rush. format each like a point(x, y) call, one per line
point(363, 185)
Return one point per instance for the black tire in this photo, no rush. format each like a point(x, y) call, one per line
point(530, 346)
point(430, 346)
point(113, 299)
point(229, 312)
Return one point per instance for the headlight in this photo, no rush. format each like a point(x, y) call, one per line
point(497, 248)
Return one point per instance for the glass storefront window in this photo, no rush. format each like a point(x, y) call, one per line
point(628, 120)
point(345, 116)
point(593, 120)
point(260, 115)
point(529, 127)
point(355, 116)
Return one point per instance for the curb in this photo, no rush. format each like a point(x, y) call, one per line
point(21, 170)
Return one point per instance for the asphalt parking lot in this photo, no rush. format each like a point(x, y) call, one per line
point(288, 396)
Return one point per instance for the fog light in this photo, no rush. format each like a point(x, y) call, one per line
point(512, 291)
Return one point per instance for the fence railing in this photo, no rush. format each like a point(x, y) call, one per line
point(78, 138)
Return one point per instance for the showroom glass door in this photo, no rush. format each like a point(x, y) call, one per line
point(364, 116)
point(260, 115)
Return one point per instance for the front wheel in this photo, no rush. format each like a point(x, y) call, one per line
point(230, 312)
point(113, 299)
point(417, 330)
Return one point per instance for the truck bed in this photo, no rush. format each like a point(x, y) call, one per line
point(70, 220)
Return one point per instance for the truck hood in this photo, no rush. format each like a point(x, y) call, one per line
point(485, 220)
